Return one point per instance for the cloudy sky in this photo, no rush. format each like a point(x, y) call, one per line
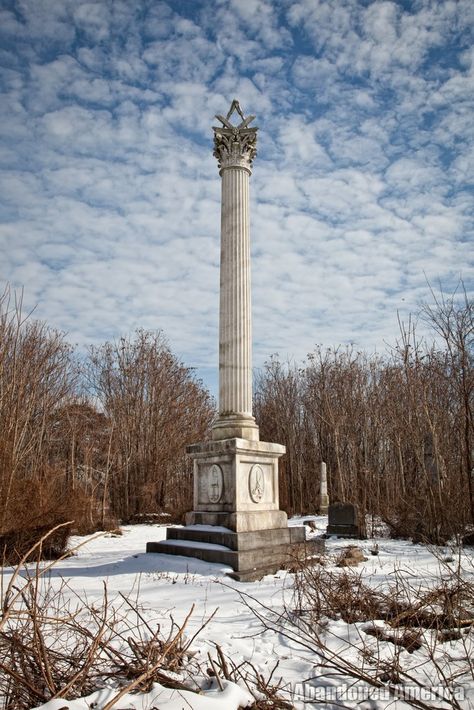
point(362, 188)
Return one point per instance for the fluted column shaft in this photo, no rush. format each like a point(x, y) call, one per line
point(235, 319)
point(235, 149)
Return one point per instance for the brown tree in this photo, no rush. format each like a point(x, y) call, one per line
point(396, 432)
point(155, 407)
point(37, 375)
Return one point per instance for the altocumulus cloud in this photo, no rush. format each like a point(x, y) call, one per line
point(362, 188)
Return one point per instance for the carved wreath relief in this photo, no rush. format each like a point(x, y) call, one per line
point(215, 484)
point(256, 483)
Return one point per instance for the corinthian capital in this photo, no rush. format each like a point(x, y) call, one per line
point(235, 146)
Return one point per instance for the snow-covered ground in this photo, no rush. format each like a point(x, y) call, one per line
point(164, 584)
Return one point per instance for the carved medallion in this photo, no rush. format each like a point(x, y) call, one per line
point(256, 483)
point(215, 484)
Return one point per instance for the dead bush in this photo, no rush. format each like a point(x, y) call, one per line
point(395, 634)
point(35, 506)
point(324, 593)
point(54, 644)
point(16, 544)
point(267, 691)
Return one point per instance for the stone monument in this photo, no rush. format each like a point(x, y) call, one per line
point(344, 521)
point(323, 490)
point(236, 518)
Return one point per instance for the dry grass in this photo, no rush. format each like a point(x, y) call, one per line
point(321, 592)
point(396, 638)
point(55, 645)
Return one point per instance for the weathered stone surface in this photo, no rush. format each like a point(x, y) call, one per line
point(234, 445)
point(239, 521)
point(323, 490)
point(235, 474)
point(235, 149)
point(235, 427)
point(249, 490)
point(251, 555)
point(342, 514)
point(240, 540)
point(343, 521)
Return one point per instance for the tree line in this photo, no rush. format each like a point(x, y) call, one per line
point(102, 439)
point(95, 440)
point(395, 431)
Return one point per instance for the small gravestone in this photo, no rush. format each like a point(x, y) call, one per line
point(343, 521)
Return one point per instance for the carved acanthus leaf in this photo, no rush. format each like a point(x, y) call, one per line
point(235, 146)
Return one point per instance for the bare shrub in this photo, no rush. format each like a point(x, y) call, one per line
point(93, 458)
point(267, 691)
point(36, 375)
point(383, 624)
point(79, 444)
point(55, 645)
point(396, 432)
point(449, 604)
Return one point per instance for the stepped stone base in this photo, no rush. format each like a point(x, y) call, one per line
point(250, 554)
point(236, 519)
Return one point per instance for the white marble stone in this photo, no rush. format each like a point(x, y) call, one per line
point(323, 490)
point(235, 474)
point(235, 148)
point(236, 484)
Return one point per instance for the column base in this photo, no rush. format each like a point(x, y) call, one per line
point(241, 522)
point(235, 426)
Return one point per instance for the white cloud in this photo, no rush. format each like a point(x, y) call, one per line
point(361, 186)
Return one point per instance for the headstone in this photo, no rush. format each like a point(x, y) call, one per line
point(323, 491)
point(343, 521)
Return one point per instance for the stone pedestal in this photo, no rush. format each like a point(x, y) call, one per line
point(236, 485)
point(236, 518)
point(250, 554)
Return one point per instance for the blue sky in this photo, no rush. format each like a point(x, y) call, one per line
point(362, 187)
